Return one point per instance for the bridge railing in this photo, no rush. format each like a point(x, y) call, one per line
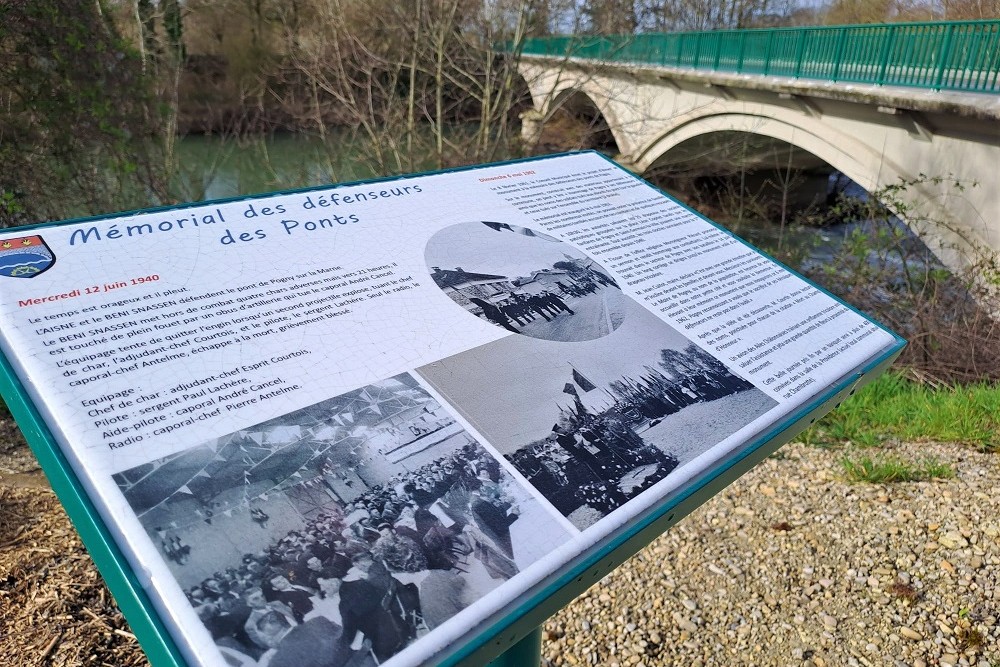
point(944, 55)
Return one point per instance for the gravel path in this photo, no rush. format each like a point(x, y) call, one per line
point(793, 566)
point(789, 566)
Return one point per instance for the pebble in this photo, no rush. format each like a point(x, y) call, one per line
point(870, 575)
point(684, 623)
point(953, 540)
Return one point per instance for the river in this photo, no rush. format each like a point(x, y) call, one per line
point(215, 168)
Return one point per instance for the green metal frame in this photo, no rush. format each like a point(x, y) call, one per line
point(525, 653)
point(943, 55)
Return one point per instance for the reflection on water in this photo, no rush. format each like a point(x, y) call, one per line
point(216, 168)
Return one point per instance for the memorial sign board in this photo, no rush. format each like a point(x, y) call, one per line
point(387, 421)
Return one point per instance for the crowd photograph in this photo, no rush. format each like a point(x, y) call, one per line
point(525, 281)
point(341, 533)
point(593, 424)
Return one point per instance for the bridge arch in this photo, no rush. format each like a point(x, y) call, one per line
point(587, 101)
point(863, 163)
point(595, 126)
point(858, 161)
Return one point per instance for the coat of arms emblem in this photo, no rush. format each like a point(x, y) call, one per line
point(25, 257)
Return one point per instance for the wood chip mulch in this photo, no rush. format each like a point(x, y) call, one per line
point(54, 606)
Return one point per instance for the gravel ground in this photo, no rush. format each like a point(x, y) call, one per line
point(793, 566)
point(789, 566)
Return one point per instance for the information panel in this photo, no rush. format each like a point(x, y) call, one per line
point(361, 421)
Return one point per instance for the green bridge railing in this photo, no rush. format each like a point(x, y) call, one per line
point(945, 55)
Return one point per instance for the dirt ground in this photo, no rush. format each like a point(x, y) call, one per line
point(54, 606)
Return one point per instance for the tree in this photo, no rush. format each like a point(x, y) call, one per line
point(78, 127)
point(884, 268)
point(674, 15)
point(609, 17)
point(423, 79)
point(955, 10)
point(173, 27)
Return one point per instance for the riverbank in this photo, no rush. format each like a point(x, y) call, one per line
point(791, 565)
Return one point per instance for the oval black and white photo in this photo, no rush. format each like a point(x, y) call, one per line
point(525, 281)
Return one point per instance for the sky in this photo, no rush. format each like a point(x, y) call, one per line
point(478, 249)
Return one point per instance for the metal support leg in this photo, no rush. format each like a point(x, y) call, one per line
point(525, 653)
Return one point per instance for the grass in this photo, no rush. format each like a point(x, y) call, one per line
point(894, 408)
point(886, 469)
point(970, 638)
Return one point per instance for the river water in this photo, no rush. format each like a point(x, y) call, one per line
point(216, 168)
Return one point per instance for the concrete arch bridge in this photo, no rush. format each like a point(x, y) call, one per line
point(882, 114)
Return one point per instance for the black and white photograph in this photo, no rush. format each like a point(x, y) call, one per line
point(338, 534)
point(593, 424)
point(525, 281)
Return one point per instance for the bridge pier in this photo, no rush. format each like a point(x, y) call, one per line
point(532, 124)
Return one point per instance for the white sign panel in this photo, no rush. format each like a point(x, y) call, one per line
point(359, 420)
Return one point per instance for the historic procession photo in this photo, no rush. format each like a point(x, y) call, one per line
point(343, 531)
point(593, 424)
point(525, 281)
